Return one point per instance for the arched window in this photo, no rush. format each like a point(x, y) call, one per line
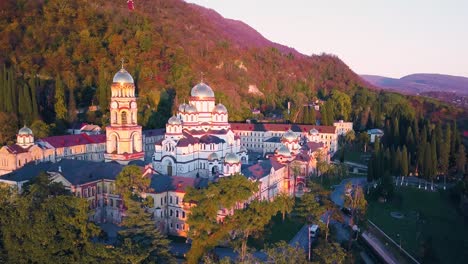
point(124, 118)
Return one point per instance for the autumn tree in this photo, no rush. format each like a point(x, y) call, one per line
point(40, 129)
point(60, 107)
point(45, 208)
point(283, 253)
point(205, 230)
point(251, 220)
point(329, 253)
point(355, 200)
point(8, 129)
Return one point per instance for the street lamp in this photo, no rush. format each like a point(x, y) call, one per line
point(399, 237)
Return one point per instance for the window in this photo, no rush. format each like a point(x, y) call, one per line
point(124, 118)
point(177, 226)
point(177, 213)
point(183, 214)
point(171, 212)
point(161, 201)
point(177, 200)
point(170, 199)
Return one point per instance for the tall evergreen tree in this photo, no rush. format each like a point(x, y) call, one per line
point(443, 160)
point(461, 160)
point(427, 163)
point(396, 132)
point(433, 155)
point(25, 105)
point(312, 116)
point(404, 161)
point(60, 107)
point(72, 106)
point(32, 87)
point(8, 98)
point(103, 90)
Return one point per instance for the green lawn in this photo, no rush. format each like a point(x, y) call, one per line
point(438, 220)
point(330, 180)
point(276, 231)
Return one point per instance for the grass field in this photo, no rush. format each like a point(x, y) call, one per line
point(276, 231)
point(427, 215)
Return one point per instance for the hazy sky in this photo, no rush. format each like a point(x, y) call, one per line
point(384, 37)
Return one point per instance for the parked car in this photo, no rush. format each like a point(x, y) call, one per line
point(313, 231)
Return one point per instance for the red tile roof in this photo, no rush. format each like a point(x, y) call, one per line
point(73, 140)
point(15, 149)
point(313, 146)
point(281, 127)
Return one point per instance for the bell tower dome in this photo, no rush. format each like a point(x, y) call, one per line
point(123, 134)
point(25, 137)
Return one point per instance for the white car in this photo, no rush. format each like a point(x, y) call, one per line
point(313, 231)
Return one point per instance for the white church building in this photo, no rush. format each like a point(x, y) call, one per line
point(199, 141)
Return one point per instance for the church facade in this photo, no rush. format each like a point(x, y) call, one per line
point(199, 141)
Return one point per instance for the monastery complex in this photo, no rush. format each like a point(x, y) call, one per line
point(198, 146)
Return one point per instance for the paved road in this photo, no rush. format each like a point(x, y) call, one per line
point(301, 239)
point(337, 195)
point(379, 248)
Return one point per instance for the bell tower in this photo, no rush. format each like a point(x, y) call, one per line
point(123, 134)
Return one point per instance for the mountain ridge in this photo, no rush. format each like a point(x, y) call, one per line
point(449, 88)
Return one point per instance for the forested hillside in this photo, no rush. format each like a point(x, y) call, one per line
point(59, 56)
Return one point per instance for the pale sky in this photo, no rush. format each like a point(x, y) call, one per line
point(384, 37)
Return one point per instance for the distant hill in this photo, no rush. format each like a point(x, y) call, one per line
point(167, 45)
point(448, 88)
point(421, 83)
point(240, 33)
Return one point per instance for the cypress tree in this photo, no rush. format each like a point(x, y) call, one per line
point(397, 162)
point(427, 162)
point(443, 160)
point(313, 118)
point(25, 105)
point(396, 132)
point(461, 160)
point(377, 144)
point(448, 141)
point(103, 91)
point(9, 107)
point(32, 87)
point(60, 107)
point(305, 116)
point(439, 138)
point(454, 145)
point(404, 161)
point(13, 91)
point(416, 130)
point(433, 156)
point(420, 157)
point(71, 106)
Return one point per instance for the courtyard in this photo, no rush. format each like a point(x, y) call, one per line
point(421, 220)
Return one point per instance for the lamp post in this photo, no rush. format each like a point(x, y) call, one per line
point(308, 234)
point(399, 237)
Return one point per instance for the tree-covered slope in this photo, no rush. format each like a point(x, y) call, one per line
point(167, 44)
